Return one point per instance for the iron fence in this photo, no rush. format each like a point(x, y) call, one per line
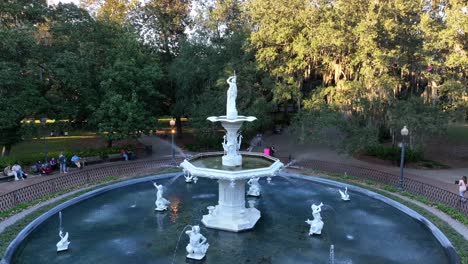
point(80, 178)
point(132, 168)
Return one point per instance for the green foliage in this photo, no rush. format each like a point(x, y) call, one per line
point(422, 120)
point(393, 153)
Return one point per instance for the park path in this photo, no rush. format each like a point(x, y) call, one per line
point(286, 146)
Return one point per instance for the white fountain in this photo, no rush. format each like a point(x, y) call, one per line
point(344, 195)
point(316, 225)
point(62, 245)
point(230, 213)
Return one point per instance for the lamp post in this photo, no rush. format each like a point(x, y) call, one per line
point(172, 122)
point(43, 122)
point(404, 133)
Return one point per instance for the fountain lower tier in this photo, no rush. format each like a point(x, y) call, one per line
point(231, 214)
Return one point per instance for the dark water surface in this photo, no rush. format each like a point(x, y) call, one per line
point(121, 226)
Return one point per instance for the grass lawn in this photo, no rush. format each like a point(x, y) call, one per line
point(31, 150)
point(57, 144)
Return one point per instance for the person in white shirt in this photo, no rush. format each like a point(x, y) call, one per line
point(19, 173)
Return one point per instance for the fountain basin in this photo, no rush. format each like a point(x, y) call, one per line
point(105, 227)
point(209, 165)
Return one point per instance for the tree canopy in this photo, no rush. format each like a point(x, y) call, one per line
point(356, 71)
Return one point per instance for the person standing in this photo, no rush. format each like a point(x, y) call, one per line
point(62, 163)
point(462, 187)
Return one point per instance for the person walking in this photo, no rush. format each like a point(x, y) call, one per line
point(462, 188)
point(62, 163)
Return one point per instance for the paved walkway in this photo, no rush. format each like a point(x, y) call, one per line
point(285, 146)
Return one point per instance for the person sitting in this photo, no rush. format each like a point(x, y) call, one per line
point(77, 160)
point(124, 154)
point(38, 166)
point(45, 168)
point(18, 171)
point(53, 163)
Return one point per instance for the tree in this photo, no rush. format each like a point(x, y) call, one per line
point(20, 83)
point(119, 118)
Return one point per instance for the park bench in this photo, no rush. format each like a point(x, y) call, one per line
point(91, 160)
point(7, 174)
point(114, 157)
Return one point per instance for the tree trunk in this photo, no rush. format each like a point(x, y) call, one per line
point(178, 127)
point(109, 143)
point(6, 150)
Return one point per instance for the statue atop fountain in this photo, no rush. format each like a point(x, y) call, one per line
point(316, 225)
point(231, 110)
point(344, 195)
point(198, 245)
point(63, 243)
point(161, 202)
point(254, 189)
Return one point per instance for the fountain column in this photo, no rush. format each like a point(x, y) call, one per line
point(231, 148)
point(231, 214)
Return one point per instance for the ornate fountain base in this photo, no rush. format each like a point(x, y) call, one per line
point(231, 214)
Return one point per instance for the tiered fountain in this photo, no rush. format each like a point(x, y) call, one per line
point(232, 169)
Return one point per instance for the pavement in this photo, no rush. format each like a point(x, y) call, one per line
point(444, 178)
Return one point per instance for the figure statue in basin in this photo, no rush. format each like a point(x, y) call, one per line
point(198, 245)
point(161, 202)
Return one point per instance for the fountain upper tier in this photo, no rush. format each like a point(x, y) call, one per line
point(234, 120)
point(209, 165)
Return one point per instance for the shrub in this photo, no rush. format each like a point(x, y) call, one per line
point(393, 153)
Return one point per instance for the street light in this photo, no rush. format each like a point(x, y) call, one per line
point(172, 122)
point(43, 122)
point(404, 133)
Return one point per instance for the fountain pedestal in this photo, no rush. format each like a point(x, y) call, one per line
point(231, 214)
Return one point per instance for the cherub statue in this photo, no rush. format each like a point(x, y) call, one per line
point(161, 202)
point(254, 189)
point(198, 245)
point(63, 243)
point(316, 225)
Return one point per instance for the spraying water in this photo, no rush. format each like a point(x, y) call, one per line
point(60, 221)
point(332, 254)
point(177, 245)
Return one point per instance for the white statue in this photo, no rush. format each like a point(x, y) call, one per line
point(231, 111)
point(239, 141)
point(63, 243)
point(197, 246)
point(254, 189)
point(188, 177)
point(225, 148)
point(316, 225)
point(161, 202)
point(344, 195)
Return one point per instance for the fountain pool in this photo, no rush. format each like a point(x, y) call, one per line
point(118, 224)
